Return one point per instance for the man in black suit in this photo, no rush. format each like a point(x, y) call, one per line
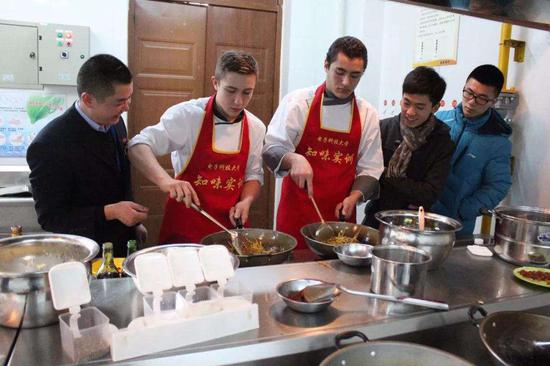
point(80, 174)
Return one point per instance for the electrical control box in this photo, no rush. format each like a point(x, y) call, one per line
point(36, 54)
point(62, 49)
point(19, 60)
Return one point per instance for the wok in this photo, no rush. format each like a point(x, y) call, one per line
point(385, 353)
point(280, 243)
point(365, 235)
point(513, 337)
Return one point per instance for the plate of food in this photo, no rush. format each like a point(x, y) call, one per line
point(534, 275)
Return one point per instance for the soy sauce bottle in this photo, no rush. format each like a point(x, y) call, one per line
point(107, 268)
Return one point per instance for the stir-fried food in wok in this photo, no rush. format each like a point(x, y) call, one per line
point(341, 239)
point(252, 247)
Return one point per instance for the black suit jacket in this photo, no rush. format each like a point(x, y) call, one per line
point(75, 173)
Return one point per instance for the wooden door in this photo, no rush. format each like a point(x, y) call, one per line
point(173, 49)
point(251, 31)
point(167, 61)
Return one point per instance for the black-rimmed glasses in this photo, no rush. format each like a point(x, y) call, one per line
point(479, 99)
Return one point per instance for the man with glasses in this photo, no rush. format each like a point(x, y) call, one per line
point(480, 173)
point(326, 142)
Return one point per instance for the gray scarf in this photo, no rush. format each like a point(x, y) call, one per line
point(413, 138)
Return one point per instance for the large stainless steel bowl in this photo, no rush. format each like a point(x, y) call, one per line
point(279, 243)
point(25, 296)
point(401, 227)
point(363, 234)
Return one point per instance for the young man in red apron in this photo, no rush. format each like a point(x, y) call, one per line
point(326, 144)
point(216, 154)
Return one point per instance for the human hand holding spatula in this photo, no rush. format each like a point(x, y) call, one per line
point(234, 235)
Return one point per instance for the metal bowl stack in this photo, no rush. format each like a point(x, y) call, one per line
point(25, 297)
point(362, 234)
point(400, 227)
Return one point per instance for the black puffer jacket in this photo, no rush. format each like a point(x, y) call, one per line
point(426, 174)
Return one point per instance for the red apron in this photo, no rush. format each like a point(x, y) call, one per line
point(217, 177)
point(333, 158)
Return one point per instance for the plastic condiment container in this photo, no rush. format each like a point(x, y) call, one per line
point(85, 333)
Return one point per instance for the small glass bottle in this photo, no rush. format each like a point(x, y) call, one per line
point(131, 247)
point(107, 268)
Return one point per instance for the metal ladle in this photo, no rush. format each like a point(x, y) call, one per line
point(327, 291)
point(234, 235)
point(324, 231)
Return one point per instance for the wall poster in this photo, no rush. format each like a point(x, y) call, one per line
point(22, 115)
point(436, 38)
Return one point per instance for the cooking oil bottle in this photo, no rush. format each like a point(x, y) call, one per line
point(107, 268)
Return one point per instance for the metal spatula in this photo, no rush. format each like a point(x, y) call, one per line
point(326, 291)
point(234, 235)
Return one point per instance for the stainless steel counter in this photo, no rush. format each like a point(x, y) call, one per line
point(462, 280)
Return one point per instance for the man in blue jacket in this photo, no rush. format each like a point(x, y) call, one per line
point(480, 168)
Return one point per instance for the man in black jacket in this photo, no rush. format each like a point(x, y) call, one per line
point(80, 174)
point(417, 148)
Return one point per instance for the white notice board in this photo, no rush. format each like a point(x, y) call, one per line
point(436, 38)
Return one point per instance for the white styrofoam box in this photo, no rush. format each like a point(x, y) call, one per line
point(216, 263)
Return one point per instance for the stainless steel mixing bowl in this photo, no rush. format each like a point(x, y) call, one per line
point(25, 296)
point(401, 227)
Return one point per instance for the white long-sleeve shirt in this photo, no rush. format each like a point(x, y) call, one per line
point(287, 126)
point(179, 128)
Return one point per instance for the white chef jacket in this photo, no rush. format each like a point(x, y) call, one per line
point(179, 128)
point(287, 126)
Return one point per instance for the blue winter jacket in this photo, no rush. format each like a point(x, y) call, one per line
point(480, 168)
